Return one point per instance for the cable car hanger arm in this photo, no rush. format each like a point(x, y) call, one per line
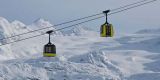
point(106, 13)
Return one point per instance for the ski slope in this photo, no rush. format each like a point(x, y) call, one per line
point(81, 55)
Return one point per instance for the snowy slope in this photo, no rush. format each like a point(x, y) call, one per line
point(81, 55)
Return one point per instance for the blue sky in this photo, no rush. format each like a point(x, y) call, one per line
point(57, 11)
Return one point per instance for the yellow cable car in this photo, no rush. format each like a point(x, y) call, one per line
point(49, 49)
point(106, 29)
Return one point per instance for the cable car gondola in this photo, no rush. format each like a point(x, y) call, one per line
point(106, 29)
point(49, 49)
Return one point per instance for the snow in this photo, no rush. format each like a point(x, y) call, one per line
point(81, 54)
point(41, 23)
point(80, 31)
point(149, 31)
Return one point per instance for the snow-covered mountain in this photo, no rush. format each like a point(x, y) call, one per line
point(40, 23)
point(8, 29)
point(149, 31)
point(81, 55)
point(44, 25)
point(80, 31)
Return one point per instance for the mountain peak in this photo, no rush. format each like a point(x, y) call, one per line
point(39, 20)
point(3, 20)
point(80, 31)
point(18, 23)
point(42, 22)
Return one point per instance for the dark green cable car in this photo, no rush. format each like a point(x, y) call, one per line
point(106, 29)
point(49, 49)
